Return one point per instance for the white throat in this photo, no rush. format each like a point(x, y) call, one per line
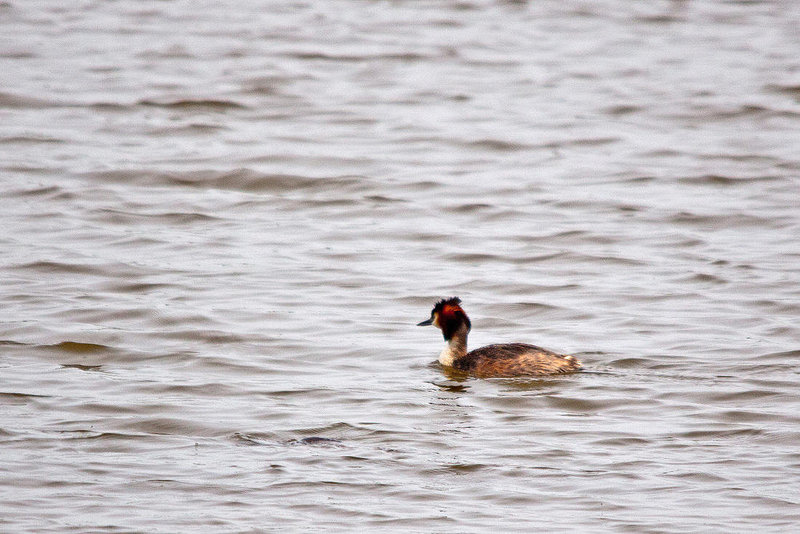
point(456, 348)
point(448, 354)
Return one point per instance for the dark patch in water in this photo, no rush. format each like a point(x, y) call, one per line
point(193, 104)
point(315, 440)
point(80, 348)
point(238, 180)
point(718, 179)
point(30, 140)
point(9, 100)
point(81, 367)
point(622, 109)
point(322, 56)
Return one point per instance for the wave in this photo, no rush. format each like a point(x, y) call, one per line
point(239, 180)
point(193, 104)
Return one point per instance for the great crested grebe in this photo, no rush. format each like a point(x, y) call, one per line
point(502, 361)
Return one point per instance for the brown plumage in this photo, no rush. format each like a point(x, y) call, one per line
point(502, 360)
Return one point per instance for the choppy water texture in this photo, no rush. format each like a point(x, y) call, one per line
point(220, 223)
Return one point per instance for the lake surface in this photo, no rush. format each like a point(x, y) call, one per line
point(220, 222)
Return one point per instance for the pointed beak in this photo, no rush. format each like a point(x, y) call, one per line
point(426, 323)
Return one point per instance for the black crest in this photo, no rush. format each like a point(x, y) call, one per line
point(453, 301)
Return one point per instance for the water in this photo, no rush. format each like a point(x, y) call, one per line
point(220, 223)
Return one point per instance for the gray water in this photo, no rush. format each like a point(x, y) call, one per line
point(220, 222)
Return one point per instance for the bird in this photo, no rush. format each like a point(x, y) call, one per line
point(504, 360)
